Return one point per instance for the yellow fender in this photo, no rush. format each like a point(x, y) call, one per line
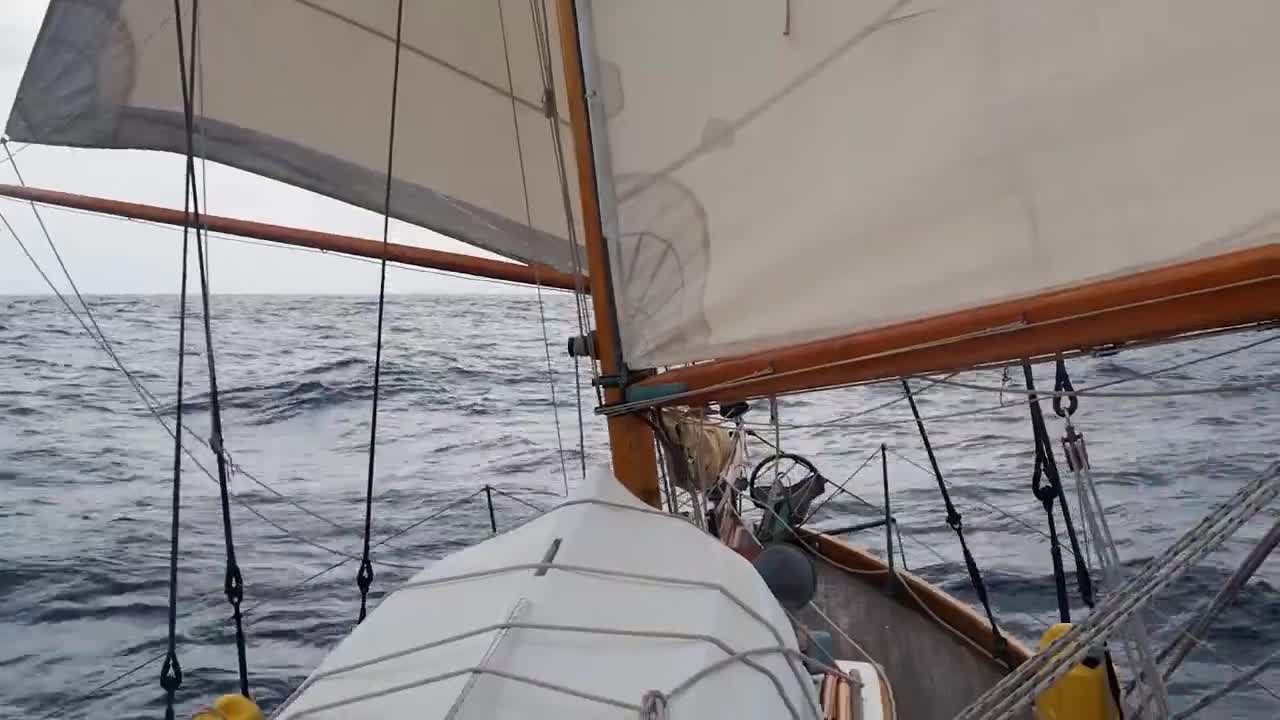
point(1084, 693)
point(231, 707)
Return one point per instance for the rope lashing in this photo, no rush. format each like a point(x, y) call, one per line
point(1046, 485)
point(364, 576)
point(171, 669)
point(956, 523)
point(1062, 384)
point(233, 581)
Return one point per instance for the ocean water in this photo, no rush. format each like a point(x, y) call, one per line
point(86, 473)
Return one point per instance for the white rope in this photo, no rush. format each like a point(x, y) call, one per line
point(1137, 647)
point(528, 216)
point(798, 672)
point(153, 405)
point(836, 421)
point(582, 311)
point(1016, 690)
point(732, 655)
point(772, 375)
point(1177, 651)
point(1212, 650)
point(884, 678)
point(542, 42)
point(742, 656)
point(1271, 381)
point(588, 570)
point(841, 488)
point(1246, 676)
point(933, 382)
point(477, 670)
point(59, 711)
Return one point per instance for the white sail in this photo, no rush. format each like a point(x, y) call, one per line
point(300, 91)
point(796, 170)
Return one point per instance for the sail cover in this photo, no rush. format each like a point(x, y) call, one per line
point(300, 91)
point(796, 170)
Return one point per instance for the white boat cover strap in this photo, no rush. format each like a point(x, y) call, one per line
point(630, 605)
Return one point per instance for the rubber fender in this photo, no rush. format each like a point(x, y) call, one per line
point(231, 707)
point(1083, 693)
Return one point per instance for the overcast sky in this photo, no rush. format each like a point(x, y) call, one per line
point(114, 256)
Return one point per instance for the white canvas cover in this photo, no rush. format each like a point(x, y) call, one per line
point(865, 163)
point(300, 91)
point(632, 538)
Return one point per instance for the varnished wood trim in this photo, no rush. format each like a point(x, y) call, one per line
point(345, 244)
point(1230, 289)
point(957, 615)
point(829, 696)
point(843, 699)
point(630, 438)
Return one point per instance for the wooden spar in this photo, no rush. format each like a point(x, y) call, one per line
point(345, 244)
point(630, 439)
point(1235, 288)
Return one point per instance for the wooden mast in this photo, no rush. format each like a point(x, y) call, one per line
point(345, 244)
point(630, 439)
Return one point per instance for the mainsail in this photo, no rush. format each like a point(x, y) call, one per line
point(300, 90)
point(791, 172)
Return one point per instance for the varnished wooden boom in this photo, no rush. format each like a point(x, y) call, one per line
point(345, 244)
point(1234, 288)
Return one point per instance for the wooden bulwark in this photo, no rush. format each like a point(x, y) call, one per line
point(957, 615)
point(345, 244)
point(936, 653)
point(1222, 291)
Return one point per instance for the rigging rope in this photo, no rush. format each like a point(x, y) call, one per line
point(233, 581)
point(153, 407)
point(1046, 469)
point(65, 273)
point(60, 710)
point(956, 523)
point(551, 108)
point(838, 422)
point(171, 670)
point(5, 141)
point(528, 218)
point(1271, 381)
point(1016, 690)
point(1137, 646)
point(1173, 655)
point(1235, 682)
point(149, 399)
point(583, 316)
point(364, 576)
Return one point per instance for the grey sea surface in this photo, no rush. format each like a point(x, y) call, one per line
point(86, 477)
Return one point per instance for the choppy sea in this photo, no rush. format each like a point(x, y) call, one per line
point(86, 481)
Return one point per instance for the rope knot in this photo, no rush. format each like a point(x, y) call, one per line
point(1062, 384)
point(954, 520)
point(1046, 494)
point(654, 705)
point(364, 576)
point(233, 584)
point(171, 673)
